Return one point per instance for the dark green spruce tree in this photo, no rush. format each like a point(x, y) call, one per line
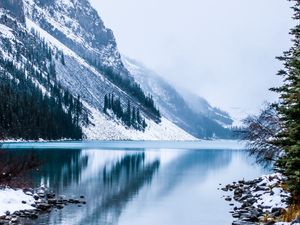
point(62, 59)
point(289, 110)
point(105, 103)
point(130, 116)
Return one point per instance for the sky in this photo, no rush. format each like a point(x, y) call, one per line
point(221, 50)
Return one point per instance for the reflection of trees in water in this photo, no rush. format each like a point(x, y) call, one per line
point(61, 167)
point(14, 164)
point(123, 169)
point(123, 181)
point(107, 191)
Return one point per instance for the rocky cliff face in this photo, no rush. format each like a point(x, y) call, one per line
point(78, 26)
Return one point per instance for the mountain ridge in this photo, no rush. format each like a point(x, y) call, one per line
point(82, 78)
point(200, 118)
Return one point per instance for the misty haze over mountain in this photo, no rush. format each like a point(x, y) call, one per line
point(222, 51)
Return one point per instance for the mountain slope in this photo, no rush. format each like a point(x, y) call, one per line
point(192, 113)
point(76, 24)
point(29, 87)
point(85, 63)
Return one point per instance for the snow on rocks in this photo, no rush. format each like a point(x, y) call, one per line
point(14, 200)
point(30, 203)
point(261, 199)
point(269, 194)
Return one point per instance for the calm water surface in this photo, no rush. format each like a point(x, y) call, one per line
point(140, 184)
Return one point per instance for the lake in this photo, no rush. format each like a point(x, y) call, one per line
point(137, 183)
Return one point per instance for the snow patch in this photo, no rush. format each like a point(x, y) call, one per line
point(11, 200)
point(6, 32)
point(273, 198)
point(107, 129)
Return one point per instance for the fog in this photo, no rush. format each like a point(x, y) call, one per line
point(223, 51)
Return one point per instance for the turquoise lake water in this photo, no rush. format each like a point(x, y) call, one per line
point(137, 183)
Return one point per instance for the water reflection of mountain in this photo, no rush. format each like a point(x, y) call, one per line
point(108, 181)
point(59, 167)
point(122, 183)
point(202, 162)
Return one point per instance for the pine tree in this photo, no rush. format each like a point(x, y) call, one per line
point(112, 102)
point(105, 103)
point(144, 124)
point(133, 117)
point(138, 116)
point(118, 109)
point(109, 101)
point(62, 59)
point(128, 114)
point(52, 70)
point(289, 110)
point(78, 110)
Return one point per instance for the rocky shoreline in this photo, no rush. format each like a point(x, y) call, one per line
point(41, 201)
point(258, 201)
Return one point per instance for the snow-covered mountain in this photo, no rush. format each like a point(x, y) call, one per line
point(80, 57)
point(78, 26)
point(188, 111)
point(202, 106)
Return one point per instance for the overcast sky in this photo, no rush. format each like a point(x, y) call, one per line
point(222, 50)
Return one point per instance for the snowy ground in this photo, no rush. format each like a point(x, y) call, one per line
point(108, 129)
point(271, 198)
point(259, 200)
point(11, 200)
